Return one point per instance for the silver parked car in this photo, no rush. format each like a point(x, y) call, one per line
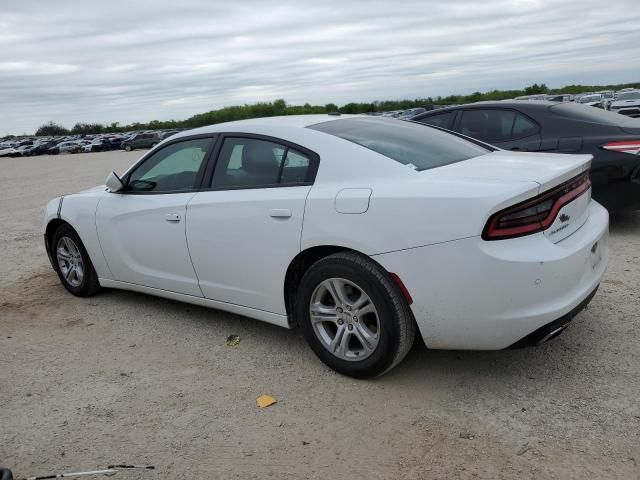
point(627, 103)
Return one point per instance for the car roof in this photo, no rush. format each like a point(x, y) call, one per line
point(517, 104)
point(287, 121)
point(541, 104)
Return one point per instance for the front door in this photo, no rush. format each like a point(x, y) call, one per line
point(142, 229)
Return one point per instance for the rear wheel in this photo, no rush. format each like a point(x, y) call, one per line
point(128, 148)
point(353, 315)
point(72, 263)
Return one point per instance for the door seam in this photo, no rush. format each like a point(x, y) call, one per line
point(304, 213)
point(95, 224)
point(186, 239)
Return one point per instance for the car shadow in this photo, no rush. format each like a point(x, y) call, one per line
point(560, 358)
point(624, 222)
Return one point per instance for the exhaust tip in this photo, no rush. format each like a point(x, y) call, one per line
point(551, 335)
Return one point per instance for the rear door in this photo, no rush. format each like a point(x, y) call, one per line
point(502, 127)
point(246, 228)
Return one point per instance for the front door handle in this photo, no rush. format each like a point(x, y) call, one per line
point(172, 217)
point(280, 213)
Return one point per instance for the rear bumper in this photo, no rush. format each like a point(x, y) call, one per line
point(473, 294)
point(552, 330)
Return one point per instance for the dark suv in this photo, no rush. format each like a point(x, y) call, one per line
point(141, 140)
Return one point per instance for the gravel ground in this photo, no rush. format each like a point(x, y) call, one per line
point(128, 378)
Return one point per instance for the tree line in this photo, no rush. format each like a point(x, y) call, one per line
point(280, 107)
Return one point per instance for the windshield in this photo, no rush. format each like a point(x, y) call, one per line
point(419, 146)
point(591, 98)
point(629, 96)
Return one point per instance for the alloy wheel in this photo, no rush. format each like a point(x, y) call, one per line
point(70, 261)
point(344, 319)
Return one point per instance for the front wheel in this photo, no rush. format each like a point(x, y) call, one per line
point(128, 148)
point(354, 316)
point(72, 263)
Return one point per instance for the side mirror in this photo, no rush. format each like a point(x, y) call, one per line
point(113, 183)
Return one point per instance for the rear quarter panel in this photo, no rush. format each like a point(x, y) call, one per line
point(405, 214)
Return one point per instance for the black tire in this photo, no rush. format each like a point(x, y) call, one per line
point(128, 148)
point(153, 145)
point(89, 285)
point(397, 327)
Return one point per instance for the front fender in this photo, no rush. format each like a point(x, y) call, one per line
point(79, 211)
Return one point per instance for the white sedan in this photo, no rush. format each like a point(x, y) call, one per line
point(361, 230)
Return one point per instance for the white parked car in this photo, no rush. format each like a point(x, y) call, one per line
point(8, 152)
point(627, 103)
point(593, 100)
point(361, 230)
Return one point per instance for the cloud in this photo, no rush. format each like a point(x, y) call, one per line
point(137, 61)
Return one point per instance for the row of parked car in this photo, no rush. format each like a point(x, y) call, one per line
point(31, 146)
point(625, 101)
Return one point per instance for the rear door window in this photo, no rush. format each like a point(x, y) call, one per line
point(442, 120)
point(256, 163)
point(487, 125)
point(496, 125)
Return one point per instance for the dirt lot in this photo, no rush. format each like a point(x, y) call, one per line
point(124, 377)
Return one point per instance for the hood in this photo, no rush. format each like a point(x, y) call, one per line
point(97, 188)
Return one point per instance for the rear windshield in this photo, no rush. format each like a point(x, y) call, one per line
point(419, 146)
point(586, 113)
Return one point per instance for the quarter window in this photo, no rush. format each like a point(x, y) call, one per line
point(172, 169)
point(523, 127)
point(250, 162)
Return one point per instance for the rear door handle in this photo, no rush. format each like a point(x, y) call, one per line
point(172, 217)
point(280, 213)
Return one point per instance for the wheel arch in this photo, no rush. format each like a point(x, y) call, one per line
point(303, 260)
point(297, 268)
point(95, 256)
point(51, 227)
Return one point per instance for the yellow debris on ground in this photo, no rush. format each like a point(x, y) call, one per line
point(265, 401)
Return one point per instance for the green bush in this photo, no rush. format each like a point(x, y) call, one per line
point(280, 107)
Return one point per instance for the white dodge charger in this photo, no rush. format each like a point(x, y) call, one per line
point(360, 230)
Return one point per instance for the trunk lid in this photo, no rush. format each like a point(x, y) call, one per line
point(546, 169)
point(552, 172)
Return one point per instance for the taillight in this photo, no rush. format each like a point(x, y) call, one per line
point(536, 214)
point(624, 146)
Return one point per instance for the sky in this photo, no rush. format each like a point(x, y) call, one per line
point(74, 61)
